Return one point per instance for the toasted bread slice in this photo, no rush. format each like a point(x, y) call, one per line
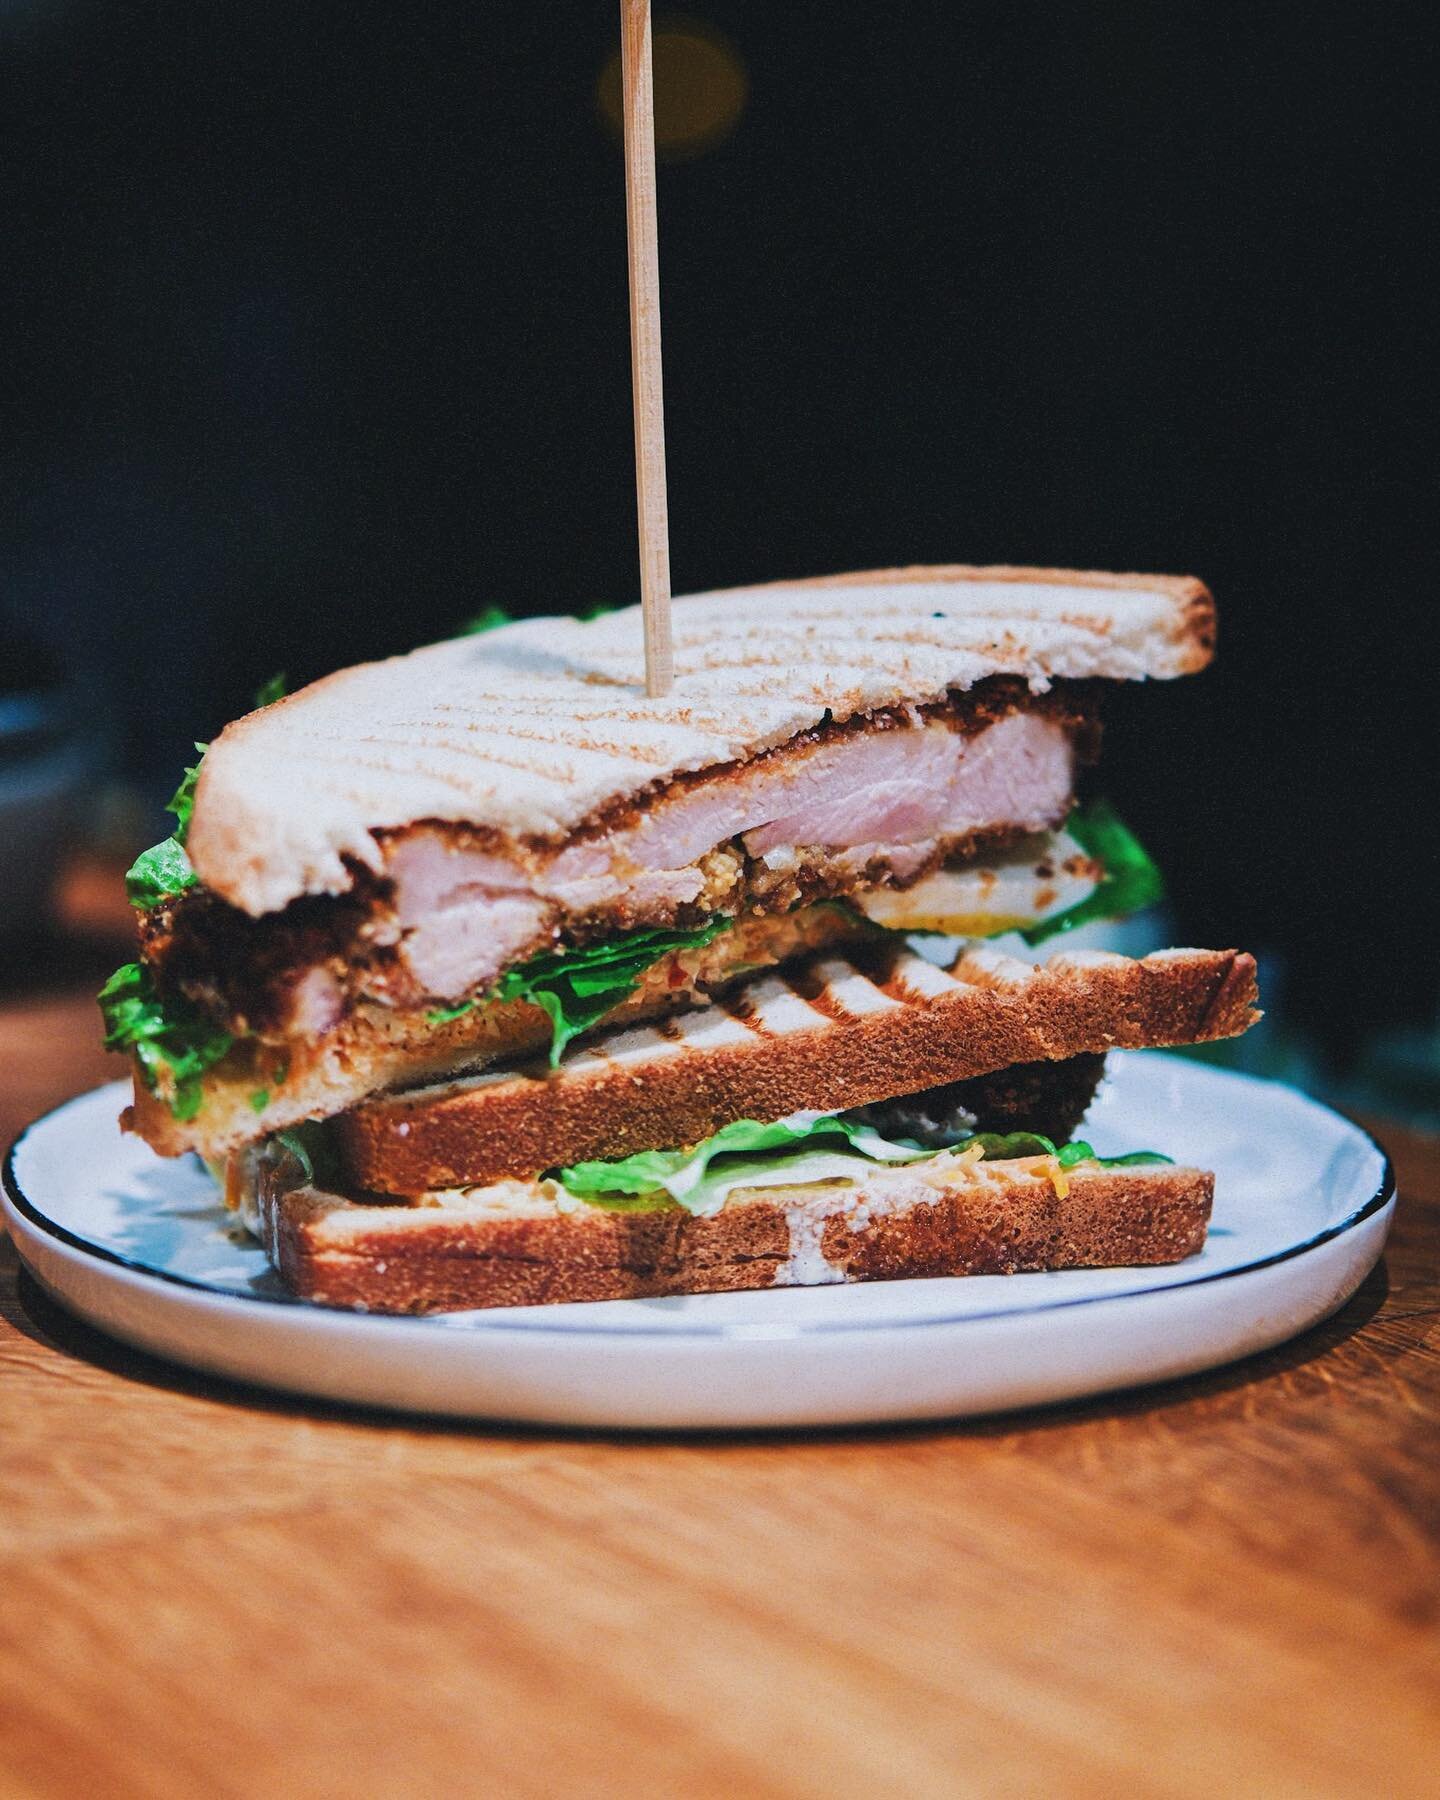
point(829, 1034)
point(533, 729)
point(259, 1089)
point(519, 1246)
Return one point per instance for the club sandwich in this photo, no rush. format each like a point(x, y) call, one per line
point(480, 978)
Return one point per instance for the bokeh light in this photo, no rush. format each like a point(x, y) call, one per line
point(700, 87)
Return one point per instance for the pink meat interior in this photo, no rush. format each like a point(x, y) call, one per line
point(895, 794)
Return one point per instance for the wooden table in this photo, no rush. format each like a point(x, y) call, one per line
point(1224, 1586)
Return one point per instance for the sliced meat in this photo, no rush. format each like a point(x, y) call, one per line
point(896, 797)
point(288, 975)
point(845, 808)
point(908, 788)
point(470, 933)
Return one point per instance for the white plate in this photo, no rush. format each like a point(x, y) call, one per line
point(142, 1249)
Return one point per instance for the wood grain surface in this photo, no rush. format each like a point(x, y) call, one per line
point(1224, 1586)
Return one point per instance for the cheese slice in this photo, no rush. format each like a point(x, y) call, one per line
point(1046, 874)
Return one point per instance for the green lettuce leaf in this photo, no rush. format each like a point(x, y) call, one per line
point(791, 1152)
point(182, 801)
point(1131, 880)
point(739, 1155)
point(494, 616)
point(489, 620)
point(576, 988)
point(1133, 1159)
point(165, 869)
point(295, 1143)
point(162, 1035)
point(443, 1015)
point(158, 873)
point(1005, 1146)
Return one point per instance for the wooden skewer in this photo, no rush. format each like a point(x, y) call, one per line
point(647, 388)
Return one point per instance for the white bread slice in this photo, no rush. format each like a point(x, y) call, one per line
point(528, 1244)
point(832, 1033)
point(533, 728)
point(380, 1046)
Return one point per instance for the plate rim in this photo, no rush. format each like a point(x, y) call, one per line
point(346, 1318)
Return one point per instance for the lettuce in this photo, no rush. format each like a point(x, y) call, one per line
point(494, 616)
point(165, 869)
point(182, 801)
point(158, 873)
point(296, 1145)
point(169, 1035)
point(792, 1152)
point(489, 620)
point(577, 988)
point(747, 1152)
point(1002, 1147)
point(1131, 880)
point(444, 1015)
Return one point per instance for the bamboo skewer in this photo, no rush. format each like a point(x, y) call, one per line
point(647, 387)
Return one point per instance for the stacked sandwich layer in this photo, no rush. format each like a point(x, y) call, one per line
point(802, 1150)
point(507, 924)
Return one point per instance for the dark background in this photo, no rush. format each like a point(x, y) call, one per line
point(316, 330)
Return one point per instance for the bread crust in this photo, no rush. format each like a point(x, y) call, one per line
point(1195, 628)
point(999, 1219)
point(995, 1012)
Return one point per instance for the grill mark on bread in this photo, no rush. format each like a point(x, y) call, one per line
point(1072, 704)
point(782, 1010)
point(349, 759)
point(820, 999)
point(465, 743)
point(841, 991)
point(1075, 705)
point(760, 1009)
point(261, 842)
point(380, 1047)
point(916, 981)
point(792, 1056)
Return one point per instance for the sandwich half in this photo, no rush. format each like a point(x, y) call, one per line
point(443, 875)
